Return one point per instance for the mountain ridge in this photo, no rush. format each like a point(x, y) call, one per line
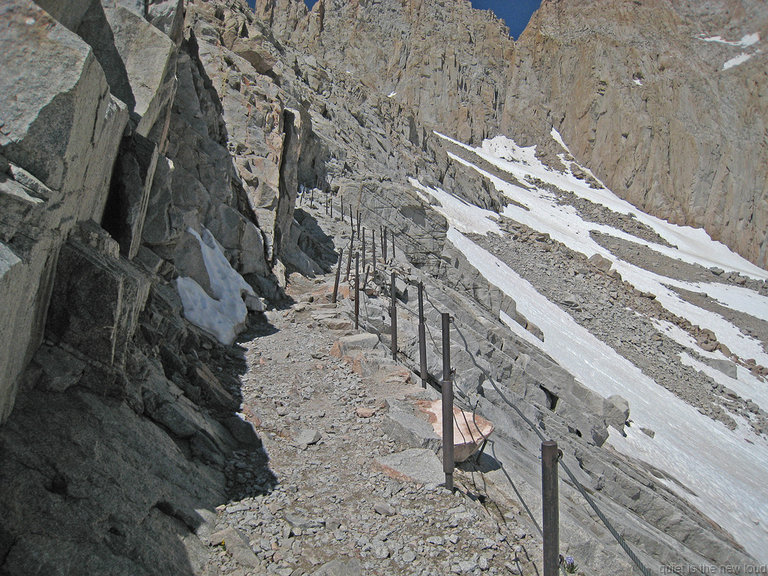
point(686, 143)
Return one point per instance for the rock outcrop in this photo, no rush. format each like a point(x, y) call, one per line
point(131, 164)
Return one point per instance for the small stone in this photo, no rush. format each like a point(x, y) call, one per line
point(364, 412)
point(384, 509)
point(307, 436)
point(409, 556)
point(380, 551)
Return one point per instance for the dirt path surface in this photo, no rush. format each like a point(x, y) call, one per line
point(326, 505)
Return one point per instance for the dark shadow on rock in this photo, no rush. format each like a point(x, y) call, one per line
point(314, 242)
point(480, 463)
point(118, 469)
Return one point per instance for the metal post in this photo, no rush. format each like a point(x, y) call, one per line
point(312, 198)
point(394, 255)
point(363, 248)
point(342, 210)
point(357, 290)
point(373, 250)
point(550, 507)
point(393, 315)
point(349, 259)
point(384, 244)
point(422, 339)
point(447, 390)
point(330, 204)
point(338, 277)
point(358, 224)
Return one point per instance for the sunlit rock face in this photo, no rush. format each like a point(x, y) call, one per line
point(669, 118)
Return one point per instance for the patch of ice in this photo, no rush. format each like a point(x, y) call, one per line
point(392, 94)
point(637, 81)
point(559, 139)
point(740, 59)
point(223, 314)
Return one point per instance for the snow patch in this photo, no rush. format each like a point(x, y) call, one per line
point(637, 81)
point(464, 216)
point(223, 314)
point(746, 40)
point(740, 59)
point(559, 139)
point(392, 94)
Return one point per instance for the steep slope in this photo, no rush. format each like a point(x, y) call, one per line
point(636, 89)
point(164, 207)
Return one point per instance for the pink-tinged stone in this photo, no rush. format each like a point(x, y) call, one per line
point(469, 432)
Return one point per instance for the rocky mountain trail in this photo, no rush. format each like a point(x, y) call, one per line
point(337, 499)
point(179, 396)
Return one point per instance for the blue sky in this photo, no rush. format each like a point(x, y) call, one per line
point(515, 13)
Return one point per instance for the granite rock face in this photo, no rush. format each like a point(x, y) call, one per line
point(115, 418)
point(672, 130)
point(129, 128)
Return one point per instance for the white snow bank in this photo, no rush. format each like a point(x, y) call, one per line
point(224, 314)
point(740, 59)
point(466, 217)
point(746, 40)
point(692, 245)
point(725, 475)
point(735, 297)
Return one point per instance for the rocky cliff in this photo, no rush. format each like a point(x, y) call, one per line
point(658, 110)
point(151, 157)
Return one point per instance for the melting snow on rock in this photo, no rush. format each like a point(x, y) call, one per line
point(223, 313)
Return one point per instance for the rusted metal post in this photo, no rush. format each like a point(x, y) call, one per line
point(349, 259)
point(342, 210)
point(447, 393)
point(384, 244)
point(330, 204)
point(363, 248)
point(365, 278)
point(357, 290)
point(550, 507)
point(394, 255)
point(393, 315)
point(338, 277)
point(422, 339)
point(312, 198)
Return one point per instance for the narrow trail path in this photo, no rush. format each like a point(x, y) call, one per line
point(325, 506)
